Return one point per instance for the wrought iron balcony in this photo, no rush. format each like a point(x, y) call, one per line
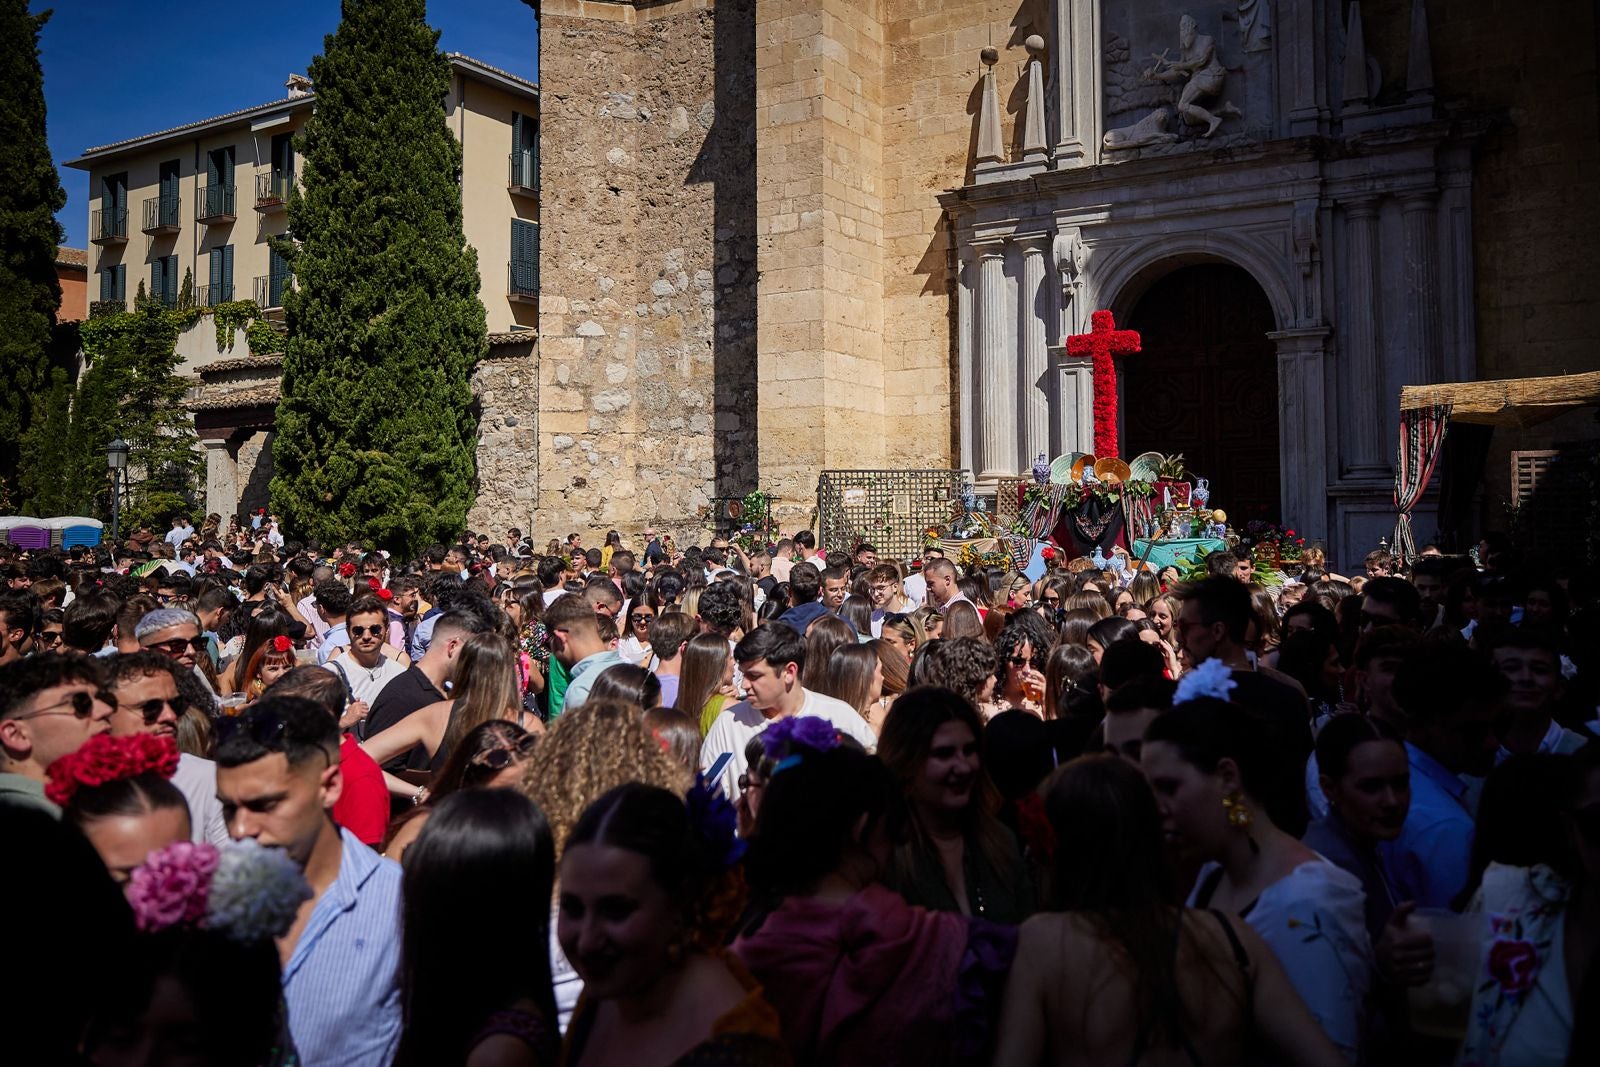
point(269, 290)
point(524, 177)
point(209, 296)
point(522, 281)
point(161, 215)
point(108, 227)
point(272, 190)
point(215, 204)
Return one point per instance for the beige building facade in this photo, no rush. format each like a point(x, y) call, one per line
point(205, 199)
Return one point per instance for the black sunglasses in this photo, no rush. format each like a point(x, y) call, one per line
point(151, 709)
point(375, 630)
point(640, 619)
point(175, 646)
point(252, 724)
point(1018, 661)
point(82, 705)
point(498, 759)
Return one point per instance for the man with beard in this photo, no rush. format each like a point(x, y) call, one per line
point(278, 776)
point(144, 686)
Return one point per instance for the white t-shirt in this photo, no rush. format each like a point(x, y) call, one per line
point(734, 728)
point(916, 587)
point(365, 684)
point(196, 779)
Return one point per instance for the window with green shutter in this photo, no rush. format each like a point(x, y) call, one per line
point(221, 265)
point(524, 257)
point(168, 191)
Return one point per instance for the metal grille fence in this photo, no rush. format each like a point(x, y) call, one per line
point(889, 509)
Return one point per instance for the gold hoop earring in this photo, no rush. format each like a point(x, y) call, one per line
point(1239, 815)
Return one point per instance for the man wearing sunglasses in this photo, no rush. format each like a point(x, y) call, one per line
point(144, 691)
point(50, 705)
point(175, 633)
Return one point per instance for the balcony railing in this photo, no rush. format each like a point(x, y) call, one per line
point(269, 290)
point(272, 190)
point(108, 227)
point(209, 296)
point(215, 204)
point(522, 282)
point(524, 177)
point(161, 215)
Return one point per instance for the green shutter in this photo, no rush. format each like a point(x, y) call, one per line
point(215, 264)
point(158, 288)
point(227, 271)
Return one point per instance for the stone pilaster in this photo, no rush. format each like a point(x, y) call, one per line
point(222, 478)
point(1419, 219)
point(1361, 373)
point(966, 279)
point(1302, 426)
point(996, 377)
point(1033, 398)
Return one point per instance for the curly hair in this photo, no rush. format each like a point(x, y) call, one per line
point(961, 664)
point(589, 752)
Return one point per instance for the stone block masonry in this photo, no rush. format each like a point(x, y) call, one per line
point(647, 327)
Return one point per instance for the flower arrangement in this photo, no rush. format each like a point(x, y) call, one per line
point(780, 739)
point(103, 759)
point(715, 823)
point(972, 557)
point(1211, 679)
point(244, 891)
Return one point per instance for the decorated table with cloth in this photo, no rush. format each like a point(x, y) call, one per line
point(1167, 552)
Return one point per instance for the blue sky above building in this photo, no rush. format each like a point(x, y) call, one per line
point(114, 70)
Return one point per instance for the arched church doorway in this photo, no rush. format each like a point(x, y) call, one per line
point(1206, 384)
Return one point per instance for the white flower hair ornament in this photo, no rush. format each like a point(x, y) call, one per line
point(1212, 679)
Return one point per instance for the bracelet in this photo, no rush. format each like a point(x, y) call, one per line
point(419, 796)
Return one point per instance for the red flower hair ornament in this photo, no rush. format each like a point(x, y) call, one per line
point(282, 644)
point(347, 570)
point(103, 759)
point(385, 595)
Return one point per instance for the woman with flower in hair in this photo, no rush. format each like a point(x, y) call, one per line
point(857, 974)
point(210, 981)
point(1210, 762)
point(118, 791)
point(650, 887)
point(271, 661)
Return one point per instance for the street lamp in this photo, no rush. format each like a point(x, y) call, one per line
point(117, 461)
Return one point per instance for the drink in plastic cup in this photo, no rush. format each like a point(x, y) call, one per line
point(1440, 1006)
point(233, 703)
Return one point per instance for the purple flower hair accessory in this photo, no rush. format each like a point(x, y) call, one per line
point(715, 823)
point(808, 731)
point(172, 886)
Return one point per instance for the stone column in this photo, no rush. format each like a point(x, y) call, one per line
point(1361, 373)
point(966, 273)
point(1421, 235)
point(996, 377)
point(222, 477)
point(1077, 66)
point(1033, 401)
point(1302, 427)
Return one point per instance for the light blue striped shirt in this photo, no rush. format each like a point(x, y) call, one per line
point(342, 984)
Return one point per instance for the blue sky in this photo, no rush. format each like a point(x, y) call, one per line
point(114, 69)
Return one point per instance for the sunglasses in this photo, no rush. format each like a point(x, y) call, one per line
point(259, 728)
point(1051, 600)
point(82, 705)
point(151, 709)
point(1018, 661)
point(50, 638)
point(176, 645)
point(747, 783)
point(640, 619)
point(890, 618)
point(375, 630)
point(498, 759)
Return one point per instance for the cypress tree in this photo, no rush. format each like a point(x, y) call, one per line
point(376, 431)
point(30, 196)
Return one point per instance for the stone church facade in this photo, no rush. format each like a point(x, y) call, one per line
point(783, 236)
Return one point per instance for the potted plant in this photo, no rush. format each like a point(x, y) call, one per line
point(1171, 488)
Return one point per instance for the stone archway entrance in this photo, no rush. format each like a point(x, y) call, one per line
point(1206, 384)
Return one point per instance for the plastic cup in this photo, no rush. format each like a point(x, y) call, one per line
point(1440, 1007)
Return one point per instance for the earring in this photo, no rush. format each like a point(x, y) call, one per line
point(1239, 815)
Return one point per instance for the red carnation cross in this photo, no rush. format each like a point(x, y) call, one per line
point(1101, 343)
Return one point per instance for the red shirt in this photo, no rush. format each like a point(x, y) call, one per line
point(363, 807)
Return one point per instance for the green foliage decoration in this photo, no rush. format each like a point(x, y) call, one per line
point(376, 434)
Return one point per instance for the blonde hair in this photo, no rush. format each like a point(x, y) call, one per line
point(849, 675)
point(587, 753)
point(700, 673)
point(486, 686)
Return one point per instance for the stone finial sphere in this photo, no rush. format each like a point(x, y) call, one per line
point(1034, 44)
point(990, 56)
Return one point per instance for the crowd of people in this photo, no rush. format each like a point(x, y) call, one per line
point(273, 803)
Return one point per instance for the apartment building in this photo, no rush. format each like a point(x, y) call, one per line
point(208, 196)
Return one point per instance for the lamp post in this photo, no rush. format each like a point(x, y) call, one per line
point(117, 461)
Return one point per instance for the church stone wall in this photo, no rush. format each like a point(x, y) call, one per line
point(646, 369)
point(929, 104)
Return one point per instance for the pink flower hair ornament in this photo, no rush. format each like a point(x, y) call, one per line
point(243, 891)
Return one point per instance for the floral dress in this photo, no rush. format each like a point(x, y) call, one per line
point(1521, 1006)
